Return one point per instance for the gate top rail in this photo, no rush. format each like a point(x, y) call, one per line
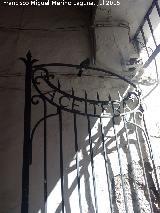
point(36, 67)
point(74, 102)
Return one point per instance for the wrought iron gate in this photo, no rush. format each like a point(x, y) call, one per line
point(122, 191)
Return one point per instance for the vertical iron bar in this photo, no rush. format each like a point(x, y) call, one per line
point(145, 17)
point(27, 129)
point(157, 6)
point(143, 165)
point(151, 29)
point(61, 159)
point(137, 44)
point(92, 163)
point(77, 161)
point(119, 157)
point(130, 156)
point(86, 110)
point(106, 165)
point(151, 154)
point(45, 155)
point(145, 43)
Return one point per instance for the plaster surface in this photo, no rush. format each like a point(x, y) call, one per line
point(43, 34)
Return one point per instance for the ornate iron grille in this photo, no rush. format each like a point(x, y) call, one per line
point(127, 111)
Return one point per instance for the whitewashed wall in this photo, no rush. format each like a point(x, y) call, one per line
point(54, 45)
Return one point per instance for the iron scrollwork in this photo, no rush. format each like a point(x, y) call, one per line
point(71, 103)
